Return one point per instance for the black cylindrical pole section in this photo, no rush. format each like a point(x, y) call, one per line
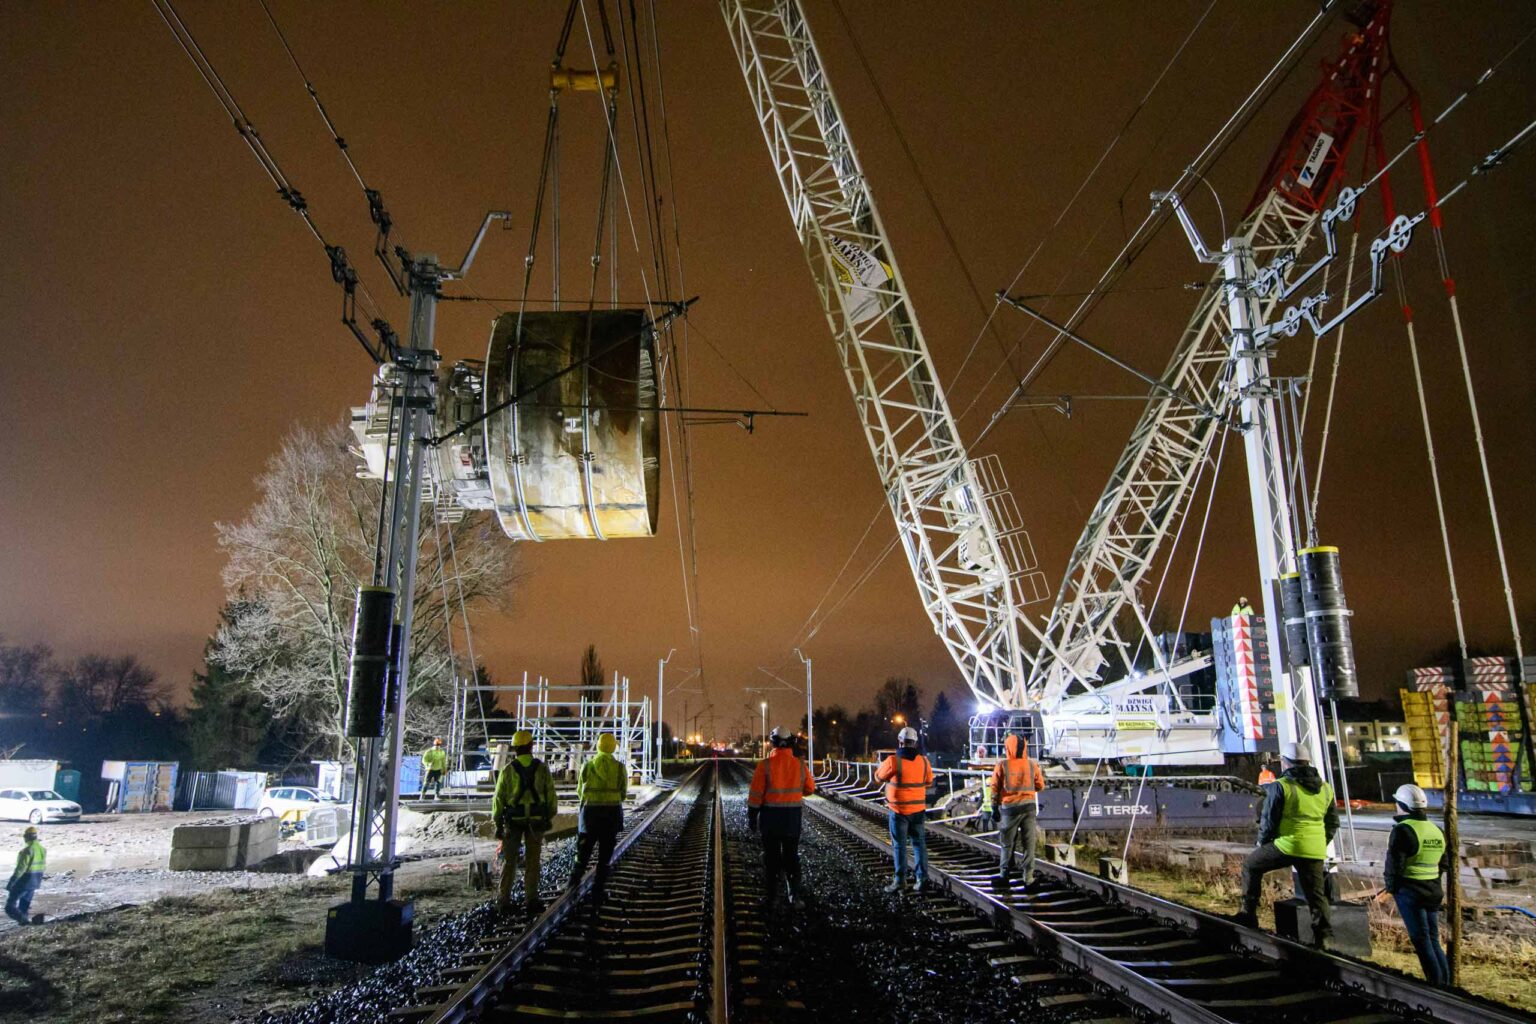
point(366, 683)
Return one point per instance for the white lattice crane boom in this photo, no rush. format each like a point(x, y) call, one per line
point(956, 520)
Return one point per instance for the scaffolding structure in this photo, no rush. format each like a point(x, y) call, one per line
point(565, 719)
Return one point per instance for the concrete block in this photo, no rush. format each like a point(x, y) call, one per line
point(1351, 926)
point(1113, 869)
point(223, 846)
point(1064, 854)
point(1209, 862)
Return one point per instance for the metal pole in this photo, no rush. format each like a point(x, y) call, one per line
point(764, 747)
point(810, 715)
point(661, 710)
point(425, 278)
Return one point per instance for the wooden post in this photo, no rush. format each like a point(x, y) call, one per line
point(1453, 890)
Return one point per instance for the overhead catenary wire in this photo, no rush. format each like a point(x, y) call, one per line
point(342, 271)
point(1083, 185)
point(1158, 215)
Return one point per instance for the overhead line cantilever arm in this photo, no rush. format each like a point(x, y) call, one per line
point(1070, 335)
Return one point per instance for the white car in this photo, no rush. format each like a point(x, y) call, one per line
point(37, 806)
point(291, 803)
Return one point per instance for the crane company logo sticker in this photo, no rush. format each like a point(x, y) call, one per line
point(1117, 810)
point(859, 275)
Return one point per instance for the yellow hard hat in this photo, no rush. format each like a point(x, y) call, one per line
point(30, 833)
point(607, 744)
point(522, 738)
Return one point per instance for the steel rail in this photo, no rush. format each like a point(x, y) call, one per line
point(470, 999)
point(1394, 994)
point(719, 993)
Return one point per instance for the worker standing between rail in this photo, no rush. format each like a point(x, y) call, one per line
point(523, 807)
point(1266, 774)
point(1296, 825)
point(907, 776)
point(1016, 781)
point(780, 784)
point(600, 794)
point(434, 761)
point(1416, 858)
point(27, 877)
point(1242, 608)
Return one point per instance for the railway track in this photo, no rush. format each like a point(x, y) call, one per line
point(687, 934)
point(1169, 960)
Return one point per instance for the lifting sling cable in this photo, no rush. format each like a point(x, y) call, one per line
point(1333, 381)
point(1477, 422)
point(683, 444)
point(1429, 448)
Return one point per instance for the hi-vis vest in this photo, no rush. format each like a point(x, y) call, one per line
point(31, 860)
point(780, 780)
point(1301, 822)
point(906, 792)
point(1424, 866)
point(602, 782)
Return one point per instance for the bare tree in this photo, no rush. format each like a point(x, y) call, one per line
point(295, 562)
point(94, 686)
point(592, 674)
point(26, 675)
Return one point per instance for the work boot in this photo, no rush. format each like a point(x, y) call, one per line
point(918, 883)
point(1246, 918)
point(894, 885)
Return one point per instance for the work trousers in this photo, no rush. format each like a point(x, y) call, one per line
point(1422, 920)
point(605, 838)
point(434, 782)
point(532, 844)
point(781, 859)
point(19, 904)
point(903, 827)
point(1309, 873)
point(1019, 827)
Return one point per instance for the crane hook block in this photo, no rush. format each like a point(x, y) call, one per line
point(576, 80)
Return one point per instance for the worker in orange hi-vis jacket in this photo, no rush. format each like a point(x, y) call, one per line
point(780, 785)
point(907, 776)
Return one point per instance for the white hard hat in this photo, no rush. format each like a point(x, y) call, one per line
point(1295, 753)
point(780, 735)
point(1410, 796)
point(907, 735)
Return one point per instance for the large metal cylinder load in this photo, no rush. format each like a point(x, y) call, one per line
point(1331, 647)
point(367, 680)
point(1293, 617)
point(578, 456)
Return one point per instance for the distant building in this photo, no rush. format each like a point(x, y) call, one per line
point(1373, 736)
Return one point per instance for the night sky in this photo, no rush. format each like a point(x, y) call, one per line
point(166, 318)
